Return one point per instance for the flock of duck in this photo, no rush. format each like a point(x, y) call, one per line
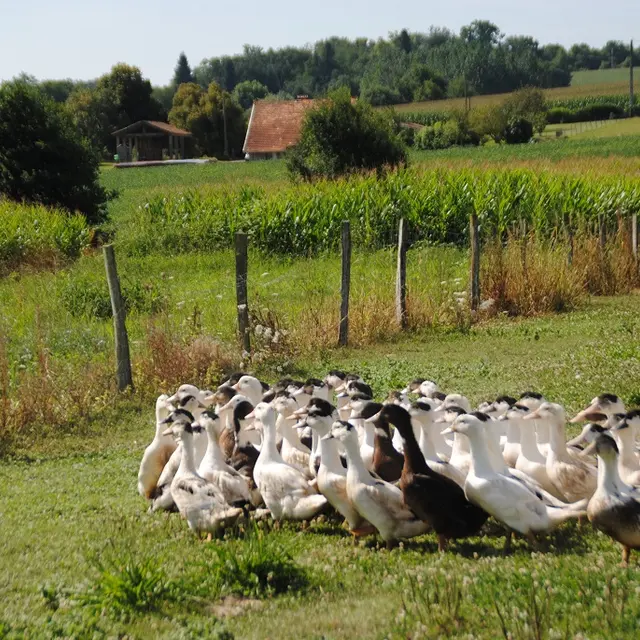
point(421, 461)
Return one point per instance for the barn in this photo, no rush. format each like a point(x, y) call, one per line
point(152, 140)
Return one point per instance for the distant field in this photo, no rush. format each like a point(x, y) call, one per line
point(602, 76)
point(561, 93)
point(627, 127)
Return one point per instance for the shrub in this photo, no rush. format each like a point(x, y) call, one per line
point(560, 115)
point(341, 137)
point(43, 158)
point(518, 131)
point(528, 104)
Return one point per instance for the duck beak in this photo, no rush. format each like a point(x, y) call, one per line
point(250, 416)
point(167, 420)
point(590, 414)
point(329, 436)
point(447, 431)
point(579, 439)
point(235, 386)
point(588, 450)
point(533, 415)
point(373, 419)
point(299, 413)
point(173, 398)
point(342, 394)
point(167, 432)
point(303, 424)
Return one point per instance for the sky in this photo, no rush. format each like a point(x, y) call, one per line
point(82, 39)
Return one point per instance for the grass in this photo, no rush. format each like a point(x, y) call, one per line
point(573, 92)
point(602, 76)
point(74, 526)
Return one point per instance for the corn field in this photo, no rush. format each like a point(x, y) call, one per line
point(306, 219)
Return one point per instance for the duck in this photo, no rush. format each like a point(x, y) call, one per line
point(163, 499)
point(625, 434)
point(293, 452)
point(421, 416)
point(424, 415)
point(530, 461)
point(532, 400)
point(245, 453)
point(251, 388)
point(460, 452)
point(285, 490)
point(320, 415)
point(379, 502)
point(157, 454)
point(436, 499)
point(614, 508)
point(387, 461)
point(604, 405)
point(365, 430)
point(227, 441)
point(503, 497)
point(198, 500)
point(422, 387)
point(231, 484)
point(205, 397)
point(573, 478)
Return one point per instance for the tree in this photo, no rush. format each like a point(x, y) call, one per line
point(182, 73)
point(340, 137)
point(208, 114)
point(246, 92)
point(43, 157)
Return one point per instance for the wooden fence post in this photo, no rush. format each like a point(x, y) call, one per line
point(569, 230)
point(343, 338)
point(241, 290)
point(603, 233)
point(401, 276)
point(475, 261)
point(634, 235)
point(523, 247)
point(123, 358)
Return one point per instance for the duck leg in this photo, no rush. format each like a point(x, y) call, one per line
point(391, 544)
point(507, 543)
point(626, 553)
point(533, 540)
point(443, 543)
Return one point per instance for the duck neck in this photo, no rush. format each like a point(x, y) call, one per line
point(528, 442)
point(482, 466)
point(269, 442)
point(288, 433)
point(542, 431)
point(187, 460)
point(414, 461)
point(626, 440)
point(557, 440)
point(609, 476)
point(513, 432)
point(329, 456)
point(460, 445)
point(213, 449)
point(493, 447)
point(356, 469)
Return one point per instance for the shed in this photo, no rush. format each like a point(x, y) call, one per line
point(274, 127)
point(153, 141)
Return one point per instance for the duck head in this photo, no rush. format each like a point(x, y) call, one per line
point(181, 425)
point(550, 411)
point(600, 408)
point(531, 399)
point(342, 431)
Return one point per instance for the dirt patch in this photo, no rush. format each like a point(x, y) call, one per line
point(232, 606)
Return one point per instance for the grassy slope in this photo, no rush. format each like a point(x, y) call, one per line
point(602, 76)
point(560, 93)
point(62, 509)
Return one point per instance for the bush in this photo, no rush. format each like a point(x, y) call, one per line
point(587, 113)
point(560, 115)
point(529, 104)
point(518, 131)
point(341, 137)
point(443, 135)
point(43, 158)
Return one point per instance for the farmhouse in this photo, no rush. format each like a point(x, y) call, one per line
point(152, 141)
point(274, 127)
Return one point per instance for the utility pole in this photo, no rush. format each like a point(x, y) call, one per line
point(224, 126)
point(632, 101)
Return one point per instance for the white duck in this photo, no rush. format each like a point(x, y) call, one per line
point(197, 500)
point(332, 476)
point(157, 454)
point(606, 404)
point(285, 490)
point(573, 478)
point(251, 388)
point(461, 451)
point(506, 499)
point(379, 502)
point(231, 484)
point(293, 452)
point(532, 400)
point(625, 433)
point(204, 396)
point(366, 431)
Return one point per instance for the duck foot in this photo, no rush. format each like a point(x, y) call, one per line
point(391, 544)
point(533, 540)
point(507, 543)
point(443, 543)
point(626, 554)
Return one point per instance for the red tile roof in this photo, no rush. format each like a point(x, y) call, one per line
point(154, 124)
point(275, 126)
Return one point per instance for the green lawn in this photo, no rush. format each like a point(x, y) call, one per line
point(74, 534)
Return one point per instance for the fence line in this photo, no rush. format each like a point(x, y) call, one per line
point(343, 336)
